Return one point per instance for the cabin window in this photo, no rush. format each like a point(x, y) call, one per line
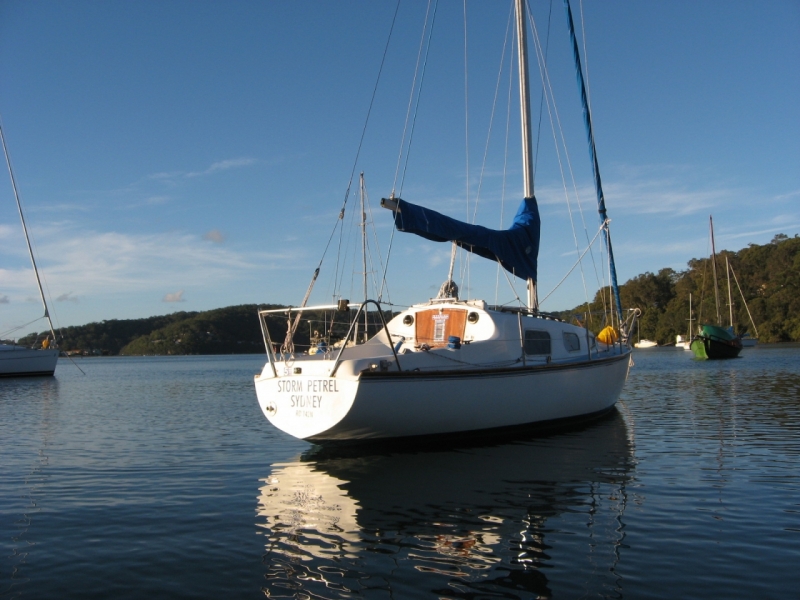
point(537, 342)
point(572, 342)
point(439, 323)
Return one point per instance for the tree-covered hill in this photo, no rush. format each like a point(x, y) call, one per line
point(231, 330)
point(769, 278)
point(107, 337)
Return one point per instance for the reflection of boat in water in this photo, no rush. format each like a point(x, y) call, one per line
point(472, 519)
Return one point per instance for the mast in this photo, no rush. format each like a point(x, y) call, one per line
point(25, 231)
point(525, 111)
point(524, 100)
point(587, 120)
point(364, 250)
point(714, 268)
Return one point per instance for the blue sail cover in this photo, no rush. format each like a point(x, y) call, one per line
point(515, 248)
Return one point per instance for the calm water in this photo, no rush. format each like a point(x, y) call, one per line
point(159, 477)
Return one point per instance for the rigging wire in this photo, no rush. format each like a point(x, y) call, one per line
point(556, 129)
point(555, 124)
point(292, 326)
point(542, 96)
point(505, 157)
point(474, 217)
point(360, 145)
point(454, 246)
point(610, 303)
point(415, 89)
point(413, 119)
point(375, 241)
point(580, 258)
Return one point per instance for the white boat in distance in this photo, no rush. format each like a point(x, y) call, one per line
point(748, 341)
point(686, 342)
point(20, 361)
point(451, 366)
point(645, 344)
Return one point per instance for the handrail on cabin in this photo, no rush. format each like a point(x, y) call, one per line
point(360, 308)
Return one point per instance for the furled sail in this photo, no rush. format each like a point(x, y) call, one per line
point(515, 248)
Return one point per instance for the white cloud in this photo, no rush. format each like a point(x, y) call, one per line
point(171, 177)
point(174, 297)
point(91, 263)
point(6, 231)
point(793, 194)
point(223, 165)
point(68, 297)
point(644, 197)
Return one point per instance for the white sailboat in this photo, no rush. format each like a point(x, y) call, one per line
point(686, 342)
point(453, 366)
point(19, 361)
point(645, 344)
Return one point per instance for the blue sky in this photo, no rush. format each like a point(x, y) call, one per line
point(189, 155)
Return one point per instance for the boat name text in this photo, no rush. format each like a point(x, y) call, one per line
point(311, 386)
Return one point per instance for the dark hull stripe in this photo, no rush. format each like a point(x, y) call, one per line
point(491, 372)
point(30, 374)
point(475, 435)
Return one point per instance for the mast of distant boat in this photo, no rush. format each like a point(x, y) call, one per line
point(525, 103)
point(25, 231)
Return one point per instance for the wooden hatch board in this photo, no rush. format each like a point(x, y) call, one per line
point(435, 326)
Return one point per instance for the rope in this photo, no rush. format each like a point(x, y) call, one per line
point(474, 216)
point(755, 329)
point(599, 231)
point(413, 120)
point(555, 124)
point(361, 141)
point(505, 162)
point(13, 329)
point(418, 91)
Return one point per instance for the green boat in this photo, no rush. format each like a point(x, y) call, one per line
point(715, 342)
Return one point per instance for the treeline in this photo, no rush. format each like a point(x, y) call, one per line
point(106, 337)
point(230, 330)
point(769, 278)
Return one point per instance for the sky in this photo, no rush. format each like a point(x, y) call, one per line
point(188, 155)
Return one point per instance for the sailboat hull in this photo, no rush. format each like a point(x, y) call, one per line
point(391, 406)
point(16, 361)
point(709, 348)
point(381, 405)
